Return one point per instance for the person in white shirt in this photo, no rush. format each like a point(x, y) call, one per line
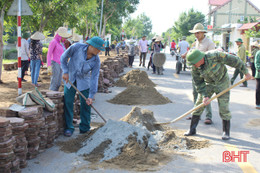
point(25, 54)
point(143, 47)
point(184, 47)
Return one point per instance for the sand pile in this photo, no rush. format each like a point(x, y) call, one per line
point(134, 143)
point(140, 95)
point(143, 117)
point(135, 77)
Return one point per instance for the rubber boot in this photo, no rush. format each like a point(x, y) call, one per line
point(226, 129)
point(193, 125)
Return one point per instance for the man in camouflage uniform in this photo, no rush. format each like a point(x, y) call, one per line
point(210, 76)
point(242, 55)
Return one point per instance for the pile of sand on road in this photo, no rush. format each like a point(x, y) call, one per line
point(134, 144)
point(134, 77)
point(140, 95)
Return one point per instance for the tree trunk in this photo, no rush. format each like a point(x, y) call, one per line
point(1, 40)
point(104, 26)
point(90, 29)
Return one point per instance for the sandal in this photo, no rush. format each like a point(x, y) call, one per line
point(67, 133)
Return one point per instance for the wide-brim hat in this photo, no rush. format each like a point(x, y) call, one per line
point(97, 42)
point(255, 43)
point(198, 28)
point(239, 40)
point(194, 56)
point(38, 36)
point(63, 32)
point(76, 38)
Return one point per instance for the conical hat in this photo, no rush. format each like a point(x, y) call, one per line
point(255, 43)
point(38, 36)
point(63, 32)
point(76, 38)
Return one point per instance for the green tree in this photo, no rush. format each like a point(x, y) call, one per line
point(116, 9)
point(187, 21)
point(138, 27)
point(254, 33)
point(4, 6)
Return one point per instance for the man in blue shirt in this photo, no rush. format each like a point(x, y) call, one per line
point(107, 47)
point(82, 70)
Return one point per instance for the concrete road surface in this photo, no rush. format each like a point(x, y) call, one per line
point(178, 88)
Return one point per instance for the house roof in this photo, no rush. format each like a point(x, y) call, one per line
point(224, 2)
point(217, 2)
point(248, 26)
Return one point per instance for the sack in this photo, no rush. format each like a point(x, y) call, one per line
point(35, 97)
point(47, 103)
point(25, 100)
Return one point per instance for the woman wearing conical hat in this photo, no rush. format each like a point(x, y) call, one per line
point(36, 56)
point(56, 49)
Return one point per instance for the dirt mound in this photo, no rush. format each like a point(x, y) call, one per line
point(142, 117)
point(135, 77)
point(140, 95)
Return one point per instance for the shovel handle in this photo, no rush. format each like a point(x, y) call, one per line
point(80, 93)
point(202, 104)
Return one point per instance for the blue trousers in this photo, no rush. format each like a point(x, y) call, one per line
point(85, 110)
point(35, 70)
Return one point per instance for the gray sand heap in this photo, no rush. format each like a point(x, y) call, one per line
point(135, 77)
point(140, 95)
point(143, 117)
point(134, 143)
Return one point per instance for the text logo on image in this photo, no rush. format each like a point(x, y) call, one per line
point(232, 156)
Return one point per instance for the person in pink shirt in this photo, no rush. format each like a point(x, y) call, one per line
point(56, 49)
point(143, 48)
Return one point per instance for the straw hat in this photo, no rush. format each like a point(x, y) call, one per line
point(159, 38)
point(63, 32)
point(255, 44)
point(76, 38)
point(38, 36)
point(198, 28)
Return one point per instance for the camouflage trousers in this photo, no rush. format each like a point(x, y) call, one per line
point(223, 101)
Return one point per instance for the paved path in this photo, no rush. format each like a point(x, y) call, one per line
point(178, 89)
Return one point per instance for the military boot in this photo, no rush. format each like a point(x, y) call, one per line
point(193, 125)
point(226, 129)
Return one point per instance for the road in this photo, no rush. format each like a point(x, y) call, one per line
point(178, 88)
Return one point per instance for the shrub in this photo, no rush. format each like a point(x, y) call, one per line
point(12, 39)
point(10, 54)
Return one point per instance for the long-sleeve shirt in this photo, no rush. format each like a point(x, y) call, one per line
point(25, 54)
point(257, 64)
point(55, 50)
point(213, 71)
point(242, 53)
point(80, 69)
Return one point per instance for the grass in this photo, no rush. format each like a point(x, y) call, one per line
point(5, 61)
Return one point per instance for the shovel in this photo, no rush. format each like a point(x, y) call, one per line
point(86, 100)
point(202, 104)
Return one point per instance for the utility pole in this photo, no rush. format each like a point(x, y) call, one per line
point(101, 18)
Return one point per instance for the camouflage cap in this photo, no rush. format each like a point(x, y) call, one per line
point(194, 56)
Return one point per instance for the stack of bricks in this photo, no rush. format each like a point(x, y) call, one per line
point(43, 135)
point(6, 112)
point(20, 149)
point(57, 98)
point(50, 125)
point(33, 117)
point(8, 159)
